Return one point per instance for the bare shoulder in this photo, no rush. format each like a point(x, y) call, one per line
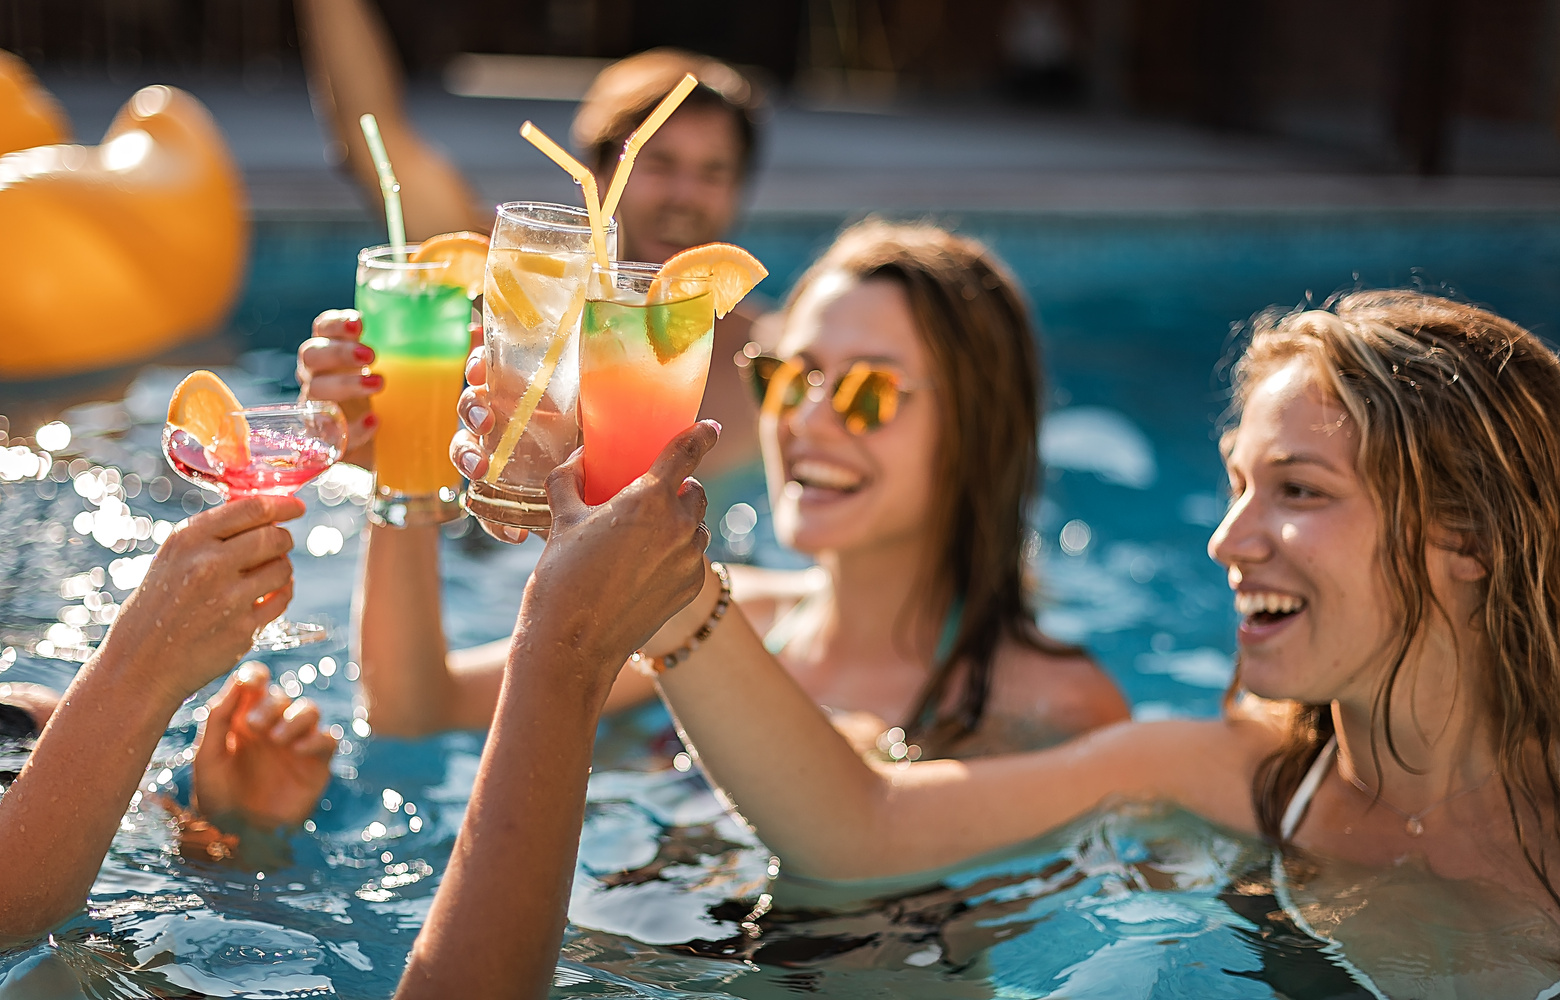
point(1068, 693)
point(766, 594)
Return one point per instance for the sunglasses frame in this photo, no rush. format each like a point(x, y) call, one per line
point(841, 396)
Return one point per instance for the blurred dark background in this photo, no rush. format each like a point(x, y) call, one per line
point(1396, 77)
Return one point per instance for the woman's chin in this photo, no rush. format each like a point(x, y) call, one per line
point(812, 532)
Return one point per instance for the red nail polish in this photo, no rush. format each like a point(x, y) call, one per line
point(354, 325)
point(373, 381)
point(363, 353)
point(369, 420)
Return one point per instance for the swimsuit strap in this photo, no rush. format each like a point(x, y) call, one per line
point(1307, 790)
point(1292, 819)
point(950, 630)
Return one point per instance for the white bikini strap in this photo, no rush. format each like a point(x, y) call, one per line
point(1307, 790)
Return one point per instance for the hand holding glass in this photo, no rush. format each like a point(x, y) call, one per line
point(288, 446)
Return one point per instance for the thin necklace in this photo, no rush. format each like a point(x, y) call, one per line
point(1413, 823)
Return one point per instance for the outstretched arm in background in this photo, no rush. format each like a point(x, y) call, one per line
point(829, 814)
point(497, 922)
point(352, 71)
point(220, 576)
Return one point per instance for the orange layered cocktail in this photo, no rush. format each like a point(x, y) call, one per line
point(643, 365)
point(645, 355)
point(416, 316)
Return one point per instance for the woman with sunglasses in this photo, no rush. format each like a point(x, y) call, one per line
point(898, 426)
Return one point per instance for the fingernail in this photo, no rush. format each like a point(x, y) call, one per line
point(256, 716)
point(717, 425)
point(479, 417)
point(370, 420)
point(514, 535)
point(278, 731)
point(373, 381)
point(250, 672)
point(363, 353)
point(468, 464)
point(354, 325)
point(470, 363)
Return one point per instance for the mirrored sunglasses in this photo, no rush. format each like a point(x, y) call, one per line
point(865, 397)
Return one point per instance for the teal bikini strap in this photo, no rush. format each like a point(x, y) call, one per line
point(952, 622)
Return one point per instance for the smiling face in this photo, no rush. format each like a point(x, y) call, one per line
point(1300, 544)
point(685, 187)
point(832, 490)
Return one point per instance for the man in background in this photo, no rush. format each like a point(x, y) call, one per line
point(686, 188)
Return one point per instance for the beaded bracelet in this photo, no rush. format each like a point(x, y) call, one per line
point(659, 664)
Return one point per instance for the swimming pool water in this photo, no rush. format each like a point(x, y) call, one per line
point(1136, 316)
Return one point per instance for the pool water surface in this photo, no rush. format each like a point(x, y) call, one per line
point(673, 897)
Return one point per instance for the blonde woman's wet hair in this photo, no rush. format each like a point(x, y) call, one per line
point(1458, 416)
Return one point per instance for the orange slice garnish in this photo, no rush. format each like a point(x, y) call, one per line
point(733, 272)
point(466, 253)
point(205, 408)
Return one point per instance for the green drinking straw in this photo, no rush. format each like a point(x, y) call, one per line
point(388, 185)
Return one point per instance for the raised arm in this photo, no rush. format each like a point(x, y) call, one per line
point(829, 814)
point(222, 575)
point(496, 924)
point(352, 70)
point(412, 683)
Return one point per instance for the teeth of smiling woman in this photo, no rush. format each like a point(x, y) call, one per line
point(1267, 602)
point(824, 474)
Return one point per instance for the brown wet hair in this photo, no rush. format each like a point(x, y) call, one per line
point(986, 371)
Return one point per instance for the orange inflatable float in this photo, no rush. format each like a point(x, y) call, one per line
point(114, 252)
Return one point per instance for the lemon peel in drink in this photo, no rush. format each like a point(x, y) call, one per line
point(674, 327)
point(505, 290)
point(203, 407)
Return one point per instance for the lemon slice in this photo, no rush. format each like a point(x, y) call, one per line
point(205, 408)
point(505, 290)
point(467, 256)
point(733, 272)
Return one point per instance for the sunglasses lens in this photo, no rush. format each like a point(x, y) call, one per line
point(866, 399)
point(784, 389)
point(759, 372)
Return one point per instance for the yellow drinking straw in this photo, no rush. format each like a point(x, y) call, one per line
point(640, 136)
point(587, 181)
point(388, 185)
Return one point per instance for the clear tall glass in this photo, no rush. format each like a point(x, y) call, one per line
point(288, 445)
point(418, 324)
point(644, 358)
point(532, 299)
